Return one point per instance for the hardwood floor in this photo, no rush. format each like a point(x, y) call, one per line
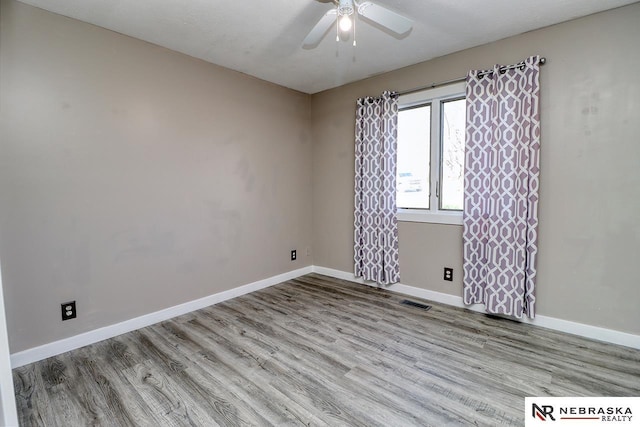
point(320, 351)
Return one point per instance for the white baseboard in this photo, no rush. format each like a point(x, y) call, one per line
point(58, 347)
point(587, 331)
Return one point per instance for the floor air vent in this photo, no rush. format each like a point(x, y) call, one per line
point(424, 307)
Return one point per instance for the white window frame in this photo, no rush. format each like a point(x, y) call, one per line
point(435, 97)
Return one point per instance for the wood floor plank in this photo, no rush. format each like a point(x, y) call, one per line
point(68, 393)
point(31, 399)
point(215, 402)
point(284, 373)
point(224, 361)
point(319, 351)
point(166, 399)
point(119, 405)
point(218, 389)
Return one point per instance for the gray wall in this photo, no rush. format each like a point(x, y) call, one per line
point(133, 178)
point(590, 176)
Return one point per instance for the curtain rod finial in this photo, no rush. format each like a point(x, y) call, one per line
point(543, 60)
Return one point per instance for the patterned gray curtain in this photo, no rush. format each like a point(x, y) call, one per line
point(501, 189)
point(376, 225)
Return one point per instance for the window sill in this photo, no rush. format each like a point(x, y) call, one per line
point(440, 217)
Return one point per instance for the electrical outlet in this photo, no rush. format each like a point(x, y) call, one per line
point(68, 310)
point(448, 274)
point(293, 255)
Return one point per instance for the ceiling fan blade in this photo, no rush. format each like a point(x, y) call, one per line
point(385, 17)
point(317, 33)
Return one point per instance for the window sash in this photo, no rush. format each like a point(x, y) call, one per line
point(428, 161)
point(441, 154)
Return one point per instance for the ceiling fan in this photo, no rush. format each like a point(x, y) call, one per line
point(346, 11)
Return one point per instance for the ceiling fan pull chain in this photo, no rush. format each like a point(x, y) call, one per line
point(354, 29)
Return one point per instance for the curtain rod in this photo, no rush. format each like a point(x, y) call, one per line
point(543, 61)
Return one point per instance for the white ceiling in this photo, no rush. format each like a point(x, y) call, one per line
point(264, 38)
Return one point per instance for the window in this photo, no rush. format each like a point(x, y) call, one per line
point(430, 176)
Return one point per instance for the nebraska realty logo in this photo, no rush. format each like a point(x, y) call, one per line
point(582, 411)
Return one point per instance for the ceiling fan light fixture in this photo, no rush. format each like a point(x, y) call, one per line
point(345, 23)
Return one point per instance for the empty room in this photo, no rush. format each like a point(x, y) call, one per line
point(320, 213)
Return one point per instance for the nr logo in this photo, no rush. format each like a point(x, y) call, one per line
point(542, 412)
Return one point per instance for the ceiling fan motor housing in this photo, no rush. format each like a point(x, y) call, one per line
point(345, 7)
